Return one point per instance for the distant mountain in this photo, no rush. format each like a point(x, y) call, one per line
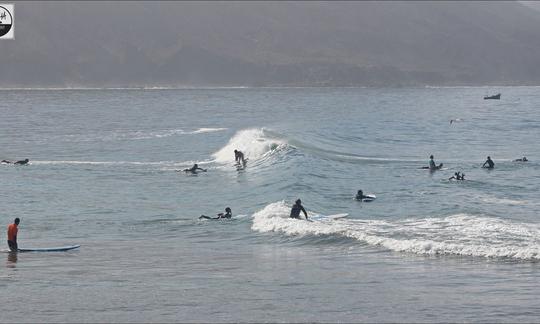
point(146, 44)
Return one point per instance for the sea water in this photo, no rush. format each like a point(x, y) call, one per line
point(103, 173)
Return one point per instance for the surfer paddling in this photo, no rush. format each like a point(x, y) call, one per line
point(21, 162)
point(297, 208)
point(12, 235)
point(523, 159)
point(457, 176)
point(194, 169)
point(227, 215)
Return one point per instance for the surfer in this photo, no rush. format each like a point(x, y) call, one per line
point(194, 169)
point(432, 166)
point(360, 195)
point(489, 162)
point(457, 176)
point(239, 157)
point(12, 235)
point(21, 162)
point(523, 159)
point(227, 214)
point(297, 208)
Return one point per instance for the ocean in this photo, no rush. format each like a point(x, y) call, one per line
point(104, 173)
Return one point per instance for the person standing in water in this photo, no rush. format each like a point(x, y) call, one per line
point(489, 162)
point(297, 208)
point(12, 231)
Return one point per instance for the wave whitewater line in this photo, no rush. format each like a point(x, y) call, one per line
point(460, 234)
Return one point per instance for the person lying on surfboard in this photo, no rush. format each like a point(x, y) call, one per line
point(227, 214)
point(432, 166)
point(21, 162)
point(457, 176)
point(12, 235)
point(297, 208)
point(194, 169)
point(523, 159)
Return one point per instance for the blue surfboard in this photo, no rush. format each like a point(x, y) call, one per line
point(54, 249)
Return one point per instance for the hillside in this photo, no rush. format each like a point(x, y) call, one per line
point(95, 44)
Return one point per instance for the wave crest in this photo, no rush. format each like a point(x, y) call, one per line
point(254, 143)
point(460, 234)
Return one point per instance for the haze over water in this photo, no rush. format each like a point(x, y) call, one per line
point(103, 174)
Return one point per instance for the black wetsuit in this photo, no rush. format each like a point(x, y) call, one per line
point(13, 247)
point(296, 209)
point(220, 215)
point(490, 164)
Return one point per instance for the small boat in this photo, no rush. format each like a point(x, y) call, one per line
point(497, 96)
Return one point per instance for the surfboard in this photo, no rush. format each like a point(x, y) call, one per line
point(53, 249)
point(328, 217)
point(369, 197)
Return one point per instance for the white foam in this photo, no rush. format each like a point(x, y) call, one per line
point(252, 142)
point(122, 135)
point(504, 201)
point(460, 234)
point(207, 130)
point(120, 163)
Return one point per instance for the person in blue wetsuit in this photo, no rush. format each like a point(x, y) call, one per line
point(489, 162)
point(297, 208)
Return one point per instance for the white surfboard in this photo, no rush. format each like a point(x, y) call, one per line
point(369, 197)
point(328, 217)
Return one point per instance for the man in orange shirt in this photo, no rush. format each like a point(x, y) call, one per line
point(12, 235)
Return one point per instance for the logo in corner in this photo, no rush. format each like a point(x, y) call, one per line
point(6, 21)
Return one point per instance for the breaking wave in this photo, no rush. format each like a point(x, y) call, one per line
point(254, 143)
point(460, 234)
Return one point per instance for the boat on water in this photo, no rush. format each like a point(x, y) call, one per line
point(497, 96)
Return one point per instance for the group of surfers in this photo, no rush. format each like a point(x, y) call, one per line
point(489, 164)
point(238, 158)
